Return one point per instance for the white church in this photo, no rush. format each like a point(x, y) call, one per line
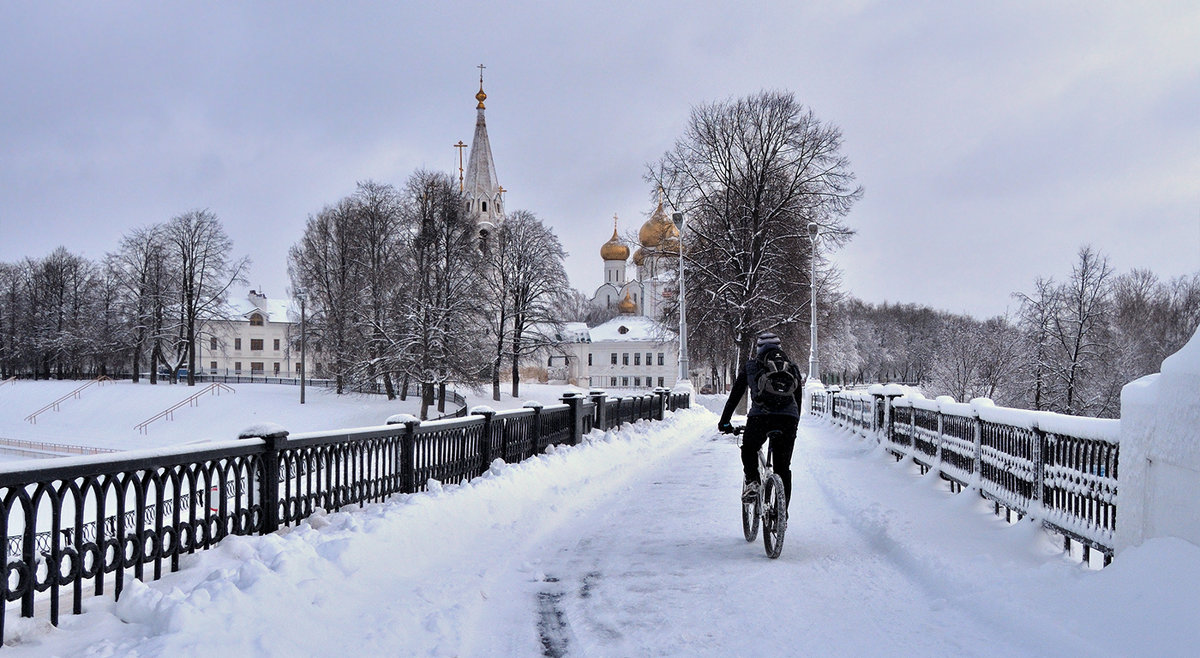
point(633, 350)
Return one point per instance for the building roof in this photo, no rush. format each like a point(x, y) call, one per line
point(636, 328)
point(275, 310)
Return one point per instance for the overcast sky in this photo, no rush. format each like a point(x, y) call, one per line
point(992, 139)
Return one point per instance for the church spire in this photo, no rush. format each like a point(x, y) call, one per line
point(482, 188)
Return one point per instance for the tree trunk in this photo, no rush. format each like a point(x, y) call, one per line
point(442, 398)
point(387, 386)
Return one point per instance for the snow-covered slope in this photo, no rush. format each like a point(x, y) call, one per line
point(631, 545)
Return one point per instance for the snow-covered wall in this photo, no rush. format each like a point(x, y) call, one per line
point(1159, 492)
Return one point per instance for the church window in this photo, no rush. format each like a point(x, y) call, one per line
point(637, 358)
point(625, 359)
point(485, 206)
point(256, 320)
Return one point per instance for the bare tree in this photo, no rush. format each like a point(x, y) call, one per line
point(539, 287)
point(201, 250)
point(751, 174)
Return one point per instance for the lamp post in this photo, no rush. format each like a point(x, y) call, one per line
point(302, 295)
point(814, 235)
point(680, 222)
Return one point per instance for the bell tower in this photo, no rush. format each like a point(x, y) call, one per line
point(484, 196)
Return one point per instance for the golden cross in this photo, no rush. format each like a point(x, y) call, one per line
point(481, 67)
point(460, 146)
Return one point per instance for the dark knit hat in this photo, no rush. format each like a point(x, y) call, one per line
point(766, 341)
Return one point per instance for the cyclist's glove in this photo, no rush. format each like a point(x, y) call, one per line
point(725, 428)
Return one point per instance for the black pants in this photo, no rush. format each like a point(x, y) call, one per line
point(757, 429)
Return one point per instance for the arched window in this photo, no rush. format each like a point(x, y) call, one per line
point(485, 206)
point(256, 320)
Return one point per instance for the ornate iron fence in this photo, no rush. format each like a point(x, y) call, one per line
point(1030, 463)
point(80, 526)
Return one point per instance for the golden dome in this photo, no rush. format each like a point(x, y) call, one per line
point(670, 246)
point(613, 249)
point(627, 305)
point(481, 97)
point(639, 256)
point(656, 229)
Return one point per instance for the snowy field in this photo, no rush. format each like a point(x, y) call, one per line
point(104, 416)
point(630, 544)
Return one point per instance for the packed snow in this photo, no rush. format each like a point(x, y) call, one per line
point(630, 544)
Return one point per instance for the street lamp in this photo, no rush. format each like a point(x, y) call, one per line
point(814, 236)
point(680, 222)
point(302, 295)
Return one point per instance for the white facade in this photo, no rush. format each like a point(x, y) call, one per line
point(481, 187)
point(257, 340)
point(632, 351)
point(656, 262)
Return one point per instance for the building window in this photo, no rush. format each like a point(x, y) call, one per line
point(256, 367)
point(660, 381)
point(299, 368)
point(276, 367)
point(256, 320)
point(256, 344)
point(625, 381)
point(237, 343)
point(625, 359)
point(212, 367)
point(649, 358)
point(589, 358)
point(637, 358)
point(237, 366)
point(612, 381)
point(212, 343)
point(637, 381)
point(276, 344)
point(660, 358)
point(485, 206)
point(614, 358)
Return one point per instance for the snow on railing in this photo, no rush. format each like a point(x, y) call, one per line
point(32, 418)
point(46, 447)
point(72, 521)
point(1061, 470)
point(216, 388)
point(10, 380)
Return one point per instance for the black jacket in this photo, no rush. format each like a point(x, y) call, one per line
point(739, 389)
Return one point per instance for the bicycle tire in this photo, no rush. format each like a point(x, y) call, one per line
point(774, 513)
point(750, 514)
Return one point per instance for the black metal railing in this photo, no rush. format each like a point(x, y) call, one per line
point(1067, 482)
point(80, 526)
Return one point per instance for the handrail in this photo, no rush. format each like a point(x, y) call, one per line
point(32, 418)
point(169, 413)
point(62, 448)
point(6, 381)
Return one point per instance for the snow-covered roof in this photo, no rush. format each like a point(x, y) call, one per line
point(275, 310)
point(632, 328)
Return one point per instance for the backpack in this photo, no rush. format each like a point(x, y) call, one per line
point(777, 380)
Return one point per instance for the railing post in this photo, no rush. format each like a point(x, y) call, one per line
point(977, 461)
point(275, 440)
point(660, 400)
point(537, 424)
point(938, 456)
point(1039, 470)
point(598, 397)
point(408, 442)
point(575, 402)
point(485, 439)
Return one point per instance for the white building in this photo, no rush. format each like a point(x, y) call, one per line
point(632, 351)
point(257, 340)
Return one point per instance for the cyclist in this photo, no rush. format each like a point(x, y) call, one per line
point(776, 387)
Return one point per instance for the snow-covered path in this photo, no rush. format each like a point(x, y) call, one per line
point(631, 545)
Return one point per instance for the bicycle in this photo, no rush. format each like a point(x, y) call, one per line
point(769, 506)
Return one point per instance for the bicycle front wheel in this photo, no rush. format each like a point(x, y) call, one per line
point(750, 513)
point(774, 513)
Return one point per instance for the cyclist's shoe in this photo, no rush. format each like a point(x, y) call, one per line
point(749, 492)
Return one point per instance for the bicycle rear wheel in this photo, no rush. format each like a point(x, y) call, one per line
point(774, 513)
point(750, 514)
